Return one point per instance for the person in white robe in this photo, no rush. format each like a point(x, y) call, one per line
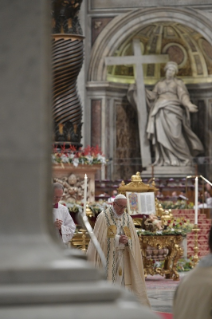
point(115, 231)
point(193, 296)
point(62, 220)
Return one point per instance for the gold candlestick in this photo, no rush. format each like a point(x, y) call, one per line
point(196, 249)
point(83, 240)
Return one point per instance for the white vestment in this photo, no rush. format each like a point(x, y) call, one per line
point(123, 262)
point(120, 251)
point(68, 226)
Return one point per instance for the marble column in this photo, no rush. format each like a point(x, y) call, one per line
point(37, 280)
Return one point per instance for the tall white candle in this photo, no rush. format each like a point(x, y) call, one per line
point(85, 192)
point(196, 201)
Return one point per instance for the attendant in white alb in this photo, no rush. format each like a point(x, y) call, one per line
point(62, 219)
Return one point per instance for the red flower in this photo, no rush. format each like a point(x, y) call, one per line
point(55, 148)
point(72, 148)
point(63, 148)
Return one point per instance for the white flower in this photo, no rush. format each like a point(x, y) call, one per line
point(64, 158)
point(101, 159)
point(90, 159)
point(82, 161)
point(71, 155)
point(158, 232)
point(75, 161)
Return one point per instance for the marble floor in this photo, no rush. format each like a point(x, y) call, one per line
point(161, 291)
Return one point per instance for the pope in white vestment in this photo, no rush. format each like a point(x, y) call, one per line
point(119, 241)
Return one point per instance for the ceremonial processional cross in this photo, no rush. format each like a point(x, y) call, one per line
point(137, 60)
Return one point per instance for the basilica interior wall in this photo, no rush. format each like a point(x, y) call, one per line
point(124, 5)
point(127, 147)
point(121, 141)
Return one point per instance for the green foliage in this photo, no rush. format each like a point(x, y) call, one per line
point(180, 204)
point(173, 232)
point(183, 264)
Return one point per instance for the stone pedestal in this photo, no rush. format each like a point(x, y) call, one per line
point(168, 171)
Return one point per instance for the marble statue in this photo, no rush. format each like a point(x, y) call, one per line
point(168, 125)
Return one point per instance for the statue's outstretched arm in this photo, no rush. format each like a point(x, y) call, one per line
point(184, 97)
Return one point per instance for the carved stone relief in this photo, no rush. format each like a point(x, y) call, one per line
point(73, 187)
point(97, 25)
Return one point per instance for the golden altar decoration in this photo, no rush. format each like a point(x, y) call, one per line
point(155, 246)
point(136, 185)
point(80, 240)
point(163, 247)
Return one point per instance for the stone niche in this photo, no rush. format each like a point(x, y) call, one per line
point(72, 178)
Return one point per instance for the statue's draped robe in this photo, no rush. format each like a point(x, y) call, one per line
point(169, 124)
point(124, 263)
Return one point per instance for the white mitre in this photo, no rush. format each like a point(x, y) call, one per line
point(120, 196)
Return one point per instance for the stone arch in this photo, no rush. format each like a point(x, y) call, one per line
point(125, 25)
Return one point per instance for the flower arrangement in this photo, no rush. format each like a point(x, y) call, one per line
point(180, 224)
point(175, 226)
point(183, 264)
point(180, 204)
point(86, 156)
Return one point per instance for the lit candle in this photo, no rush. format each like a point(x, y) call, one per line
point(196, 201)
point(85, 193)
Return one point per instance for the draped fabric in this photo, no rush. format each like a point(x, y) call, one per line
point(169, 124)
point(124, 263)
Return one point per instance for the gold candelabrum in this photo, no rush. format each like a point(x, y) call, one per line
point(81, 239)
point(84, 246)
point(195, 258)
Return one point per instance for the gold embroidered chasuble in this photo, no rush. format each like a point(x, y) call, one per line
point(106, 230)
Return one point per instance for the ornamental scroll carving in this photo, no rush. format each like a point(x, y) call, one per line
point(171, 246)
point(73, 187)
